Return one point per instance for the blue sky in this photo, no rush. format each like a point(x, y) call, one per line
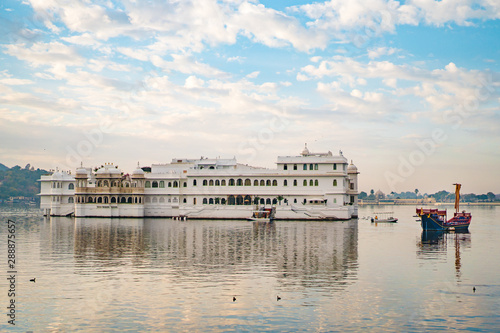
point(408, 90)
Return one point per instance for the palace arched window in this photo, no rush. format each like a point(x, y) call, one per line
point(275, 201)
point(113, 200)
point(105, 199)
point(304, 183)
point(205, 201)
point(239, 182)
point(71, 186)
point(247, 200)
point(176, 184)
point(155, 184)
point(162, 184)
point(148, 184)
point(217, 182)
point(311, 183)
point(205, 182)
point(256, 183)
point(129, 200)
point(316, 182)
point(223, 182)
point(239, 200)
point(262, 182)
point(304, 167)
point(223, 201)
point(248, 182)
point(268, 201)
point(211, 182)
point(71, 200)
point(275, 182)
point(285, 183)
point(268, 182)
point(231, 200)
point(295, 182)
point(211, 201)
point(310, 166)
point(231, 182)
point(99, 200)
point(262, 201)
point(285, 167)
point(194, 182)
point(335, 182)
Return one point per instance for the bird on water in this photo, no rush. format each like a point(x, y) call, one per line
point(234, 298)
point(473, 289)
point(278, 298)
point(33, 280)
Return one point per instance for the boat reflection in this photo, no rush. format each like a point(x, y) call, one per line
point(434, 244)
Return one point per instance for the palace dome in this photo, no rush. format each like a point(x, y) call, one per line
point(352, 168)
point(81, 171)
point(305, 152)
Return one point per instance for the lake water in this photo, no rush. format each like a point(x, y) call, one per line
point(160, 275)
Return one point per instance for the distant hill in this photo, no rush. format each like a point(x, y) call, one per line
point(17, 181)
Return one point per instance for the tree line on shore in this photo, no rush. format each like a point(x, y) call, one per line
point(19, 182)
point(440, 196)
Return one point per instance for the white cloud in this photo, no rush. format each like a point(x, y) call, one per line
point(253, 75)
point(381, 51)
point(46, 54)
point(188, 65)
point(85, 39)
point(273, 28)
point(15, 82)
point(193, 82)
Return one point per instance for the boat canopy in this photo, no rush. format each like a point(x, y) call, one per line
point(425, 211)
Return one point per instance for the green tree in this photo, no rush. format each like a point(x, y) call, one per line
point(16, 182)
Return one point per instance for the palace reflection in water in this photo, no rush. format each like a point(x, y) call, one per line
point(312, 254)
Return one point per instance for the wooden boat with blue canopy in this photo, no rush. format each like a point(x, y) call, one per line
point(435, 219)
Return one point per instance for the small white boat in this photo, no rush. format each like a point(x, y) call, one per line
point(384, 217)
point(263, 215)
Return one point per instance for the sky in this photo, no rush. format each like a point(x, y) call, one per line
point(409, 91)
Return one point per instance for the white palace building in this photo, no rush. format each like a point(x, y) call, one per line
point(312, 186)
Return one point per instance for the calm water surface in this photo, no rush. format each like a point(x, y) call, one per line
point(163, 275)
